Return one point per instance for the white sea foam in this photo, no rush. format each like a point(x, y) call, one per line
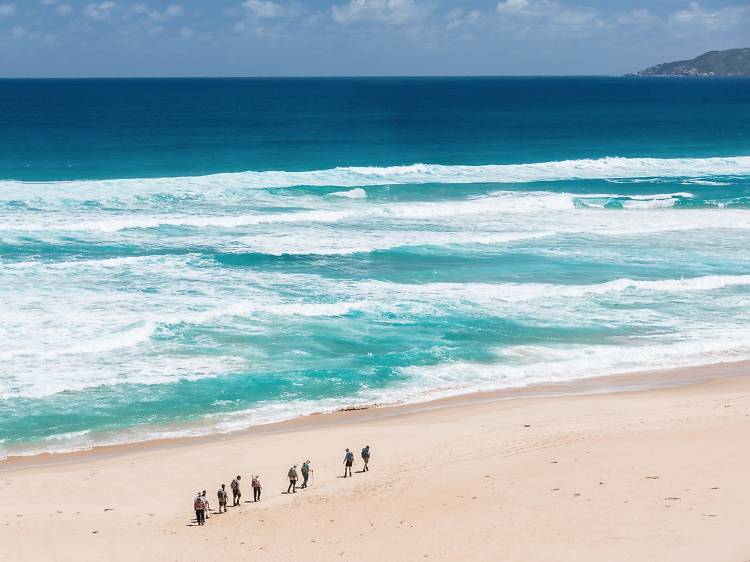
point(524, 365)
point(120, 340)
point(705, 182)
point(118, 223)
point(652, 201)
point(520, 292)
point(650, 204)
point(533, 303)
point(339, 243)
point(71, 435)
point(75, 373)
point(356, 193)
point(495, 209)
point(486, 226)
point(493, 204)
point(603, 168)
point(655, 196)
point(90, 349)
point(187, 266)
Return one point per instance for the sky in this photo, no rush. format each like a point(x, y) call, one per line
point(104, 38)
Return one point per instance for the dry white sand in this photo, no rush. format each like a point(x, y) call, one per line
point(654, 475)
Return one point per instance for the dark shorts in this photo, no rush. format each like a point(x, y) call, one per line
point(349, 463)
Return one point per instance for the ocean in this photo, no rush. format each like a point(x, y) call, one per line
point(188, 256)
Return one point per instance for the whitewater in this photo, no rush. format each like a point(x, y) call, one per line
point(358, 176)
point(256, 250)
point(255, 305)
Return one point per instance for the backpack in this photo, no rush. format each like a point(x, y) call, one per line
point(198, 504)
point(365, 452)
point(234, 485)
point(350, 456)
point(222, 495)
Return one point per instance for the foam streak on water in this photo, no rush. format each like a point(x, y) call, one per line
point(357, 177)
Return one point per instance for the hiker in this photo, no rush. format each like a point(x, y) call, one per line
point(366, 457)
point(348, 462)
point(222, 495)
point(256, 488)
point(292, 474)
point(236, 492)
point(306, 470)
point(200, 509)
point(207, 506)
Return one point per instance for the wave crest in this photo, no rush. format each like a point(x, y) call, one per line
point(359, 176)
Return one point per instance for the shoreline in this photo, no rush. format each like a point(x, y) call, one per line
point(603, 384)
point(642, 473)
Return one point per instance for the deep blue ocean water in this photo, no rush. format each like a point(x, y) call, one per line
point(186, 256)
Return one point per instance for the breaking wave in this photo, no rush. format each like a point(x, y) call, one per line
point(361, 176)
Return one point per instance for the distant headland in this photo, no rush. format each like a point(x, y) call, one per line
point(732, 62)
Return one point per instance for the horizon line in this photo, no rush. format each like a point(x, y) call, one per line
point(271, 76)
point(342, 76)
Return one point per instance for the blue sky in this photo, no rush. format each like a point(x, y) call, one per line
point(358, 37)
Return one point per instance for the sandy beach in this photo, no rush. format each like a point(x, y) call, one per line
point(655, 474)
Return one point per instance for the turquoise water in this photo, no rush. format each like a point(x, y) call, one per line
point(186, 256)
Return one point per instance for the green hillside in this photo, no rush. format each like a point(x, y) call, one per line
point(733, 62)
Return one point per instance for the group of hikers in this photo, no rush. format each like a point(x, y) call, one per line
point(202, 506)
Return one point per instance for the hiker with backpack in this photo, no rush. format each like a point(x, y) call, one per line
point(222, 495)
point(292, 475)
point(236, 492)
point(200, 509)
point(207, 505)
point(256, 488)
point(306, 470)
point(348, 462)
point(366, 457)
